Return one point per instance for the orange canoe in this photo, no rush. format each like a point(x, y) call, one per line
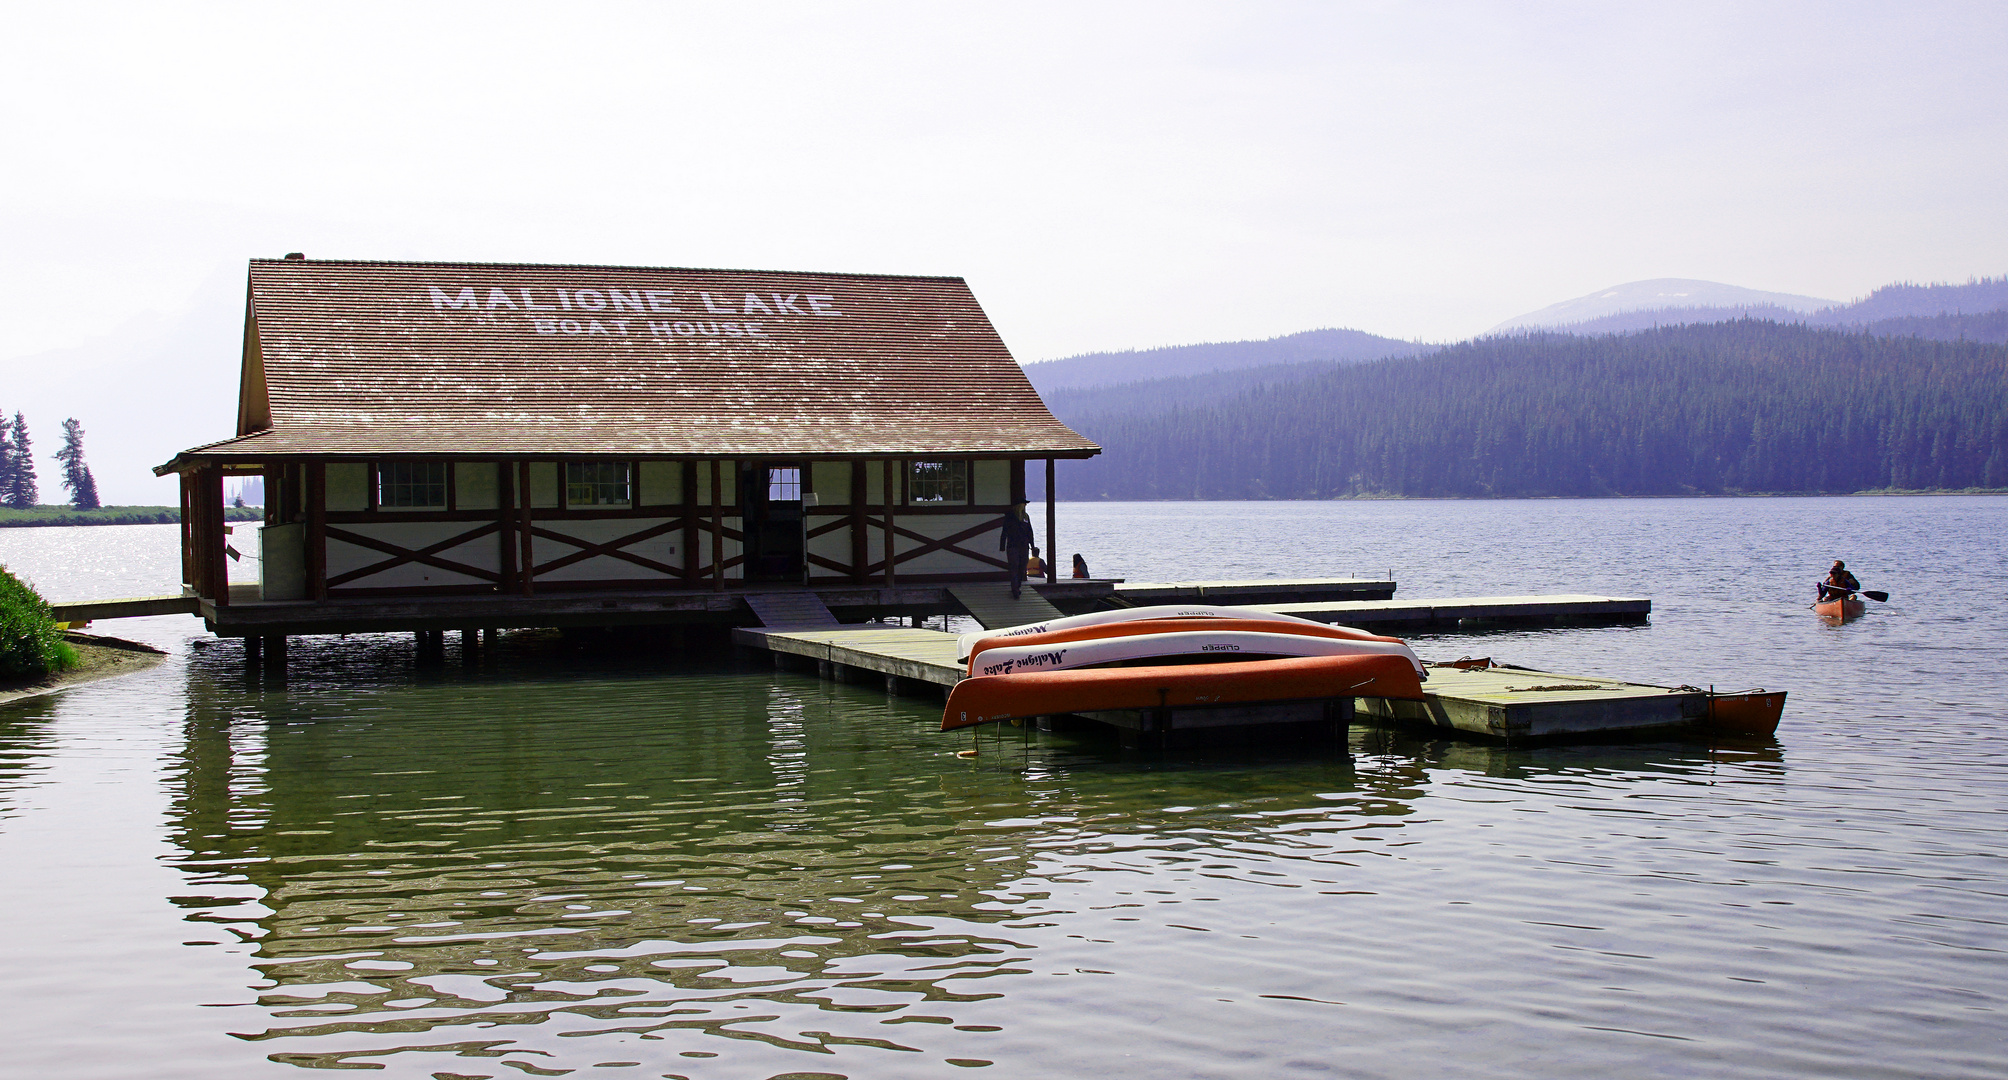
point(1753, 712)
point(990, 698)
point(1168, 626)
point(1843, 609)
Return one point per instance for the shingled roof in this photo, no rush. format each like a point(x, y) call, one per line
point(378, 358)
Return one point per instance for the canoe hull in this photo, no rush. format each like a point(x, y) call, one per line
point(1169, 625)
point(1218, 639)
point(968, 643)
point(988, 699)
point(1753, 713)
point(1841, 610)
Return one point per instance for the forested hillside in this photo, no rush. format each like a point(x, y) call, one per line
point(1746, 406)
point(1110, 368)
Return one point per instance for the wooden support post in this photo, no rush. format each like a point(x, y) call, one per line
point(718, 528)
point(1052, 528)
point(690, 523)
point(860, 543)
point(891, 494)
point(527, 575)
point(470, 645)
point(219, 563)
point(317, 529)
point(505, 530)
point(254, 647)
point(187, 536)
point(275, 653)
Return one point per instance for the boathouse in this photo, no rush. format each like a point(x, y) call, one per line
point(462, 439)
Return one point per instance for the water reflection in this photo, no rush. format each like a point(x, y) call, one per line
point(552, 860)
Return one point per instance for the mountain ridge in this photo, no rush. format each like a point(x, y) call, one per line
point(1172, 361)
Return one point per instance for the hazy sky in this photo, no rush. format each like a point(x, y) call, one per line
point(1106, 175)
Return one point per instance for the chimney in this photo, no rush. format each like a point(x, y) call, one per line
point(296, 256)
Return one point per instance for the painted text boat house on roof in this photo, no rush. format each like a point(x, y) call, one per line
point(460, 430)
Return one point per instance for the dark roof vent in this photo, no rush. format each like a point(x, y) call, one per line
point(296, 255)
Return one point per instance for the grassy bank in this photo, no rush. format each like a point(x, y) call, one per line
point(31, 646)
point(112, 515)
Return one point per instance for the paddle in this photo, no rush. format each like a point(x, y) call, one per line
point(1877, 595)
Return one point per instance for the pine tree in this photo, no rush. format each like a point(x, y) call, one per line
point(77, 475)
point(7, 469)
point(21, 493)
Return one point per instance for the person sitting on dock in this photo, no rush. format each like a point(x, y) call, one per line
point(1014, 539)
point(1035, 567)
point(1839, 582)
point(1080, 566)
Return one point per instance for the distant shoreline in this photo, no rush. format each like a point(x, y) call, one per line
point(1935, 492)
point(111, 515)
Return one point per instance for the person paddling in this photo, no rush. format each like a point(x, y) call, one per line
point(1839, 583)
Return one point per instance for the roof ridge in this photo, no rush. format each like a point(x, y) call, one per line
point(255, 261)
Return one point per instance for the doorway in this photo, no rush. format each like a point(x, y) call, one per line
point(772, 497)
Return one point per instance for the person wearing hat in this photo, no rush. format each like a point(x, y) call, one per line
point(1839, 583)
point(1015, 540)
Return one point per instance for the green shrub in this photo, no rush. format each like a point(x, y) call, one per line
point(30, 643)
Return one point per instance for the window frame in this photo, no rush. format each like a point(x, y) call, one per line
point(953, 480)
point(799, 484)
point(384, 480)
point(626, 484)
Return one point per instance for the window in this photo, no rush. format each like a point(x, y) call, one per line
point(938, 482)
point(596, 483)
point(784, 485)
point(412, 485)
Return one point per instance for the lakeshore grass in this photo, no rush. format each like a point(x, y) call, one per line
point(111, 515)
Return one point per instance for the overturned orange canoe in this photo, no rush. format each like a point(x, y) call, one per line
point(1168, 626)
point(1753, 712)
point(988, 699)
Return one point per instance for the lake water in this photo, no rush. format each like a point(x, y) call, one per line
point(564, 863)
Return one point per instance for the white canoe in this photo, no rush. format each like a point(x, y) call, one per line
point(1218, 644)
point(966, 643)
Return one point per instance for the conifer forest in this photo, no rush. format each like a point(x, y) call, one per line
point(1743, 407)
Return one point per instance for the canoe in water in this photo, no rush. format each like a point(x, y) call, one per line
point(1841, 610)
point(1753, 712)
point(987, 699)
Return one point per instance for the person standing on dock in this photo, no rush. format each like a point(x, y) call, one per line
point(1839, 582)
point(1015, 540)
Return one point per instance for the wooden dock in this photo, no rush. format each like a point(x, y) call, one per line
point(1513, 704)
point(132, 607)
point(1350, 601)
point(1504, 704)
point(1254, 591)
point(1474, 612)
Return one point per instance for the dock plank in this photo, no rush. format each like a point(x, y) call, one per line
point(992, 605)
point(131, 607)
point(1253, 591)
point(1455, 610)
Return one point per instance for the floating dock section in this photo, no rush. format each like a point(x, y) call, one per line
point(1473, 612)
point(1495, 703)
point(1517, 704)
